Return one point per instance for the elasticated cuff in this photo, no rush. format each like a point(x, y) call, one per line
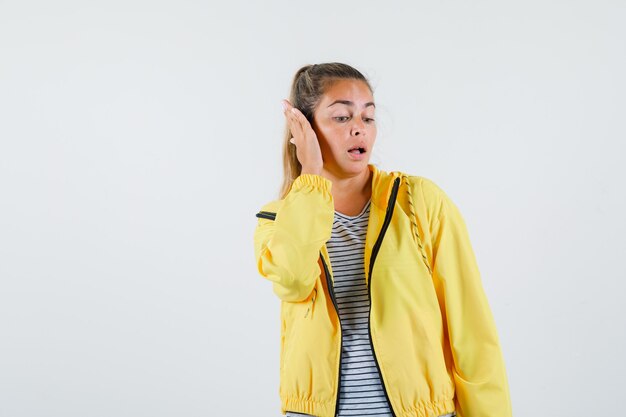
point(313, 180)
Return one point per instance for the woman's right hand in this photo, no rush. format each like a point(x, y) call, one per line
point(304, 138)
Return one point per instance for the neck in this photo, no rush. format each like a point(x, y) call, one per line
point(350, 186)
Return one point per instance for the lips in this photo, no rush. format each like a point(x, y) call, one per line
point(358, 149)
point(357, 156)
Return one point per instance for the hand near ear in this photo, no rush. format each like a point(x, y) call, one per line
point(304, 138)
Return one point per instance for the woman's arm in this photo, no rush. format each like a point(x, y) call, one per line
point(287, 248)
point(479, 370)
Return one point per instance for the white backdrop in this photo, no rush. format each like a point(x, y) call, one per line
point(139, 138)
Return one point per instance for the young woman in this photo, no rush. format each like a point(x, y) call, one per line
point(383, 312)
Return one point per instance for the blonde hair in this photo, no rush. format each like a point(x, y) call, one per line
point(307, 88)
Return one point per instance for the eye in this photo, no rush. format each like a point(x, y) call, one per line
point(341, 117)
point(369, 119)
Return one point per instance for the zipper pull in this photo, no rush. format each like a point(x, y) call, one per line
point(312, 304)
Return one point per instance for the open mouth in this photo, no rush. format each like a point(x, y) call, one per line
point(357, 150)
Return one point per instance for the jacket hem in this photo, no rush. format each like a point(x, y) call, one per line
point(306, 406)
point(325, 408)
point(429, 409)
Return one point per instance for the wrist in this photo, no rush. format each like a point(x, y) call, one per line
point(311, 171)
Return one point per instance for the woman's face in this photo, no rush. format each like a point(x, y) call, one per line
point(344, 119)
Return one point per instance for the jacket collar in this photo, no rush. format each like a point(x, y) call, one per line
point(382, 185)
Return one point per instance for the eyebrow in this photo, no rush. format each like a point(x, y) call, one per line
point(349, 103)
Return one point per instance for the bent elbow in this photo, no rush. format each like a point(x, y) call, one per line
point(293, 282)
point(294, 291)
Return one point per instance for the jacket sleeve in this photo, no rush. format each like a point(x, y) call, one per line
point(479, 371)
point(287, 248)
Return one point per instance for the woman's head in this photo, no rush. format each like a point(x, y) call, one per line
point(338, 125)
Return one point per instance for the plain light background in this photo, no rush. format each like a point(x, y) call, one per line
point(138, 139)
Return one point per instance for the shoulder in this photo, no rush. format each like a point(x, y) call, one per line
point(427, 194)
point(425, 185)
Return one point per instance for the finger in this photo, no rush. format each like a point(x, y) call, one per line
point(292, 122)
point(304, 122)
point(295, 125)
point(298, 116)
point(287, 106)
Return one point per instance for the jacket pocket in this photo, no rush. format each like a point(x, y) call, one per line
point(309, 310)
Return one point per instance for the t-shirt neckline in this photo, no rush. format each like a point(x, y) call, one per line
point(358, 215)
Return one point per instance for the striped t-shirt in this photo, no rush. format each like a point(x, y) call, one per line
point(360, 390)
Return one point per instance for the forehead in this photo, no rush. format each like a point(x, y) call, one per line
point(352, 90)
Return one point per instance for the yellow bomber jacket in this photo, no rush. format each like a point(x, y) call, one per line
point(432, 331)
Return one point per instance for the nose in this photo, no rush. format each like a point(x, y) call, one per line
point(357, 127)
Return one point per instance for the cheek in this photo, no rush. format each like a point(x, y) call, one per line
point(334, 146)
point(333, 134)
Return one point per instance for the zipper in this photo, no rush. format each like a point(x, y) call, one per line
point(331, 289)
point(266, 215)
point(379, 241)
